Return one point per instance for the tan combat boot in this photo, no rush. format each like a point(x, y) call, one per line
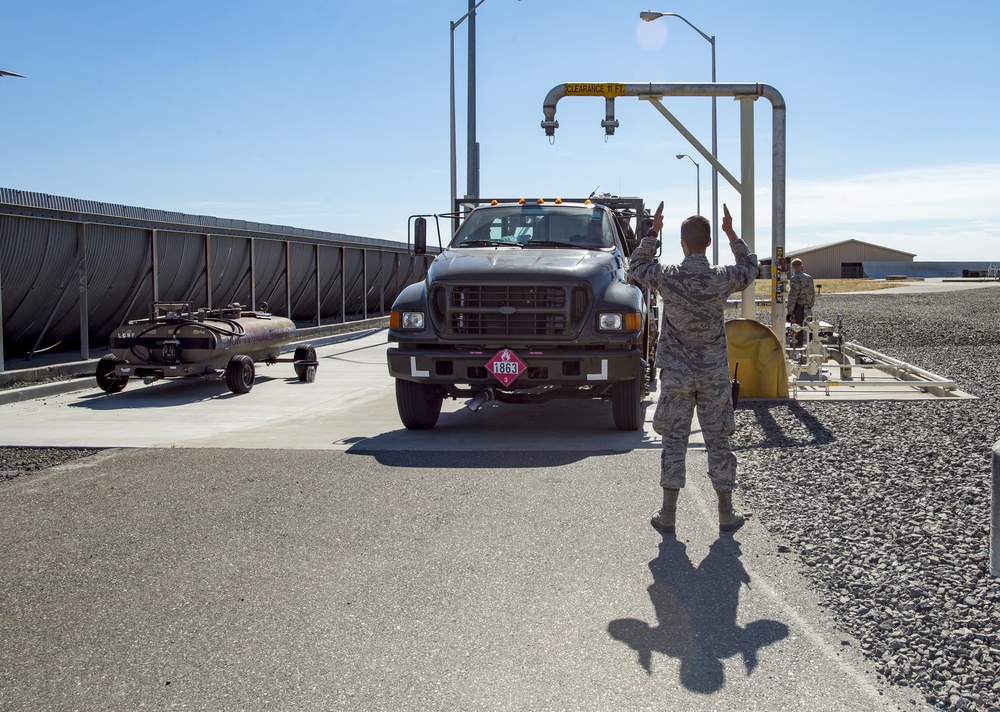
point(729, 519)
point(666, 519)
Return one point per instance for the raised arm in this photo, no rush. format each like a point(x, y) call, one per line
point(643, 266)
point(745, 271)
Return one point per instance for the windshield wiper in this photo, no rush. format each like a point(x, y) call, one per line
point(547, 243)
point(488, 243)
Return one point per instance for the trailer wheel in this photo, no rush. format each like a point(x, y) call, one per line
point(107, 380)
point(419, 404)
point(626, 402)
point(240, 374)
point(305, 353)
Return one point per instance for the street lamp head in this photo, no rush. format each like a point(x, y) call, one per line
point(649, 15)
point(681, 155)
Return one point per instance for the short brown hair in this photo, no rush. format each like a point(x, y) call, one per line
point(796, 262)
point(696, 233)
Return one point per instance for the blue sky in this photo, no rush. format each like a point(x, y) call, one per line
point(334, 114)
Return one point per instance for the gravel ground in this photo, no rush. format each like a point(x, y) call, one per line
point(886, 504)
point(17, 461)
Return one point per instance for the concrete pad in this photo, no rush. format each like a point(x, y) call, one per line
point(351, 400)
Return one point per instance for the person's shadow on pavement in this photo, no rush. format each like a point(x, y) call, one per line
point(696, 612)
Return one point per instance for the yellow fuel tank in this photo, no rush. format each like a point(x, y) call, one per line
point(761, 358)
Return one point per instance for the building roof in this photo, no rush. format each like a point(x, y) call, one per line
point(816, 248)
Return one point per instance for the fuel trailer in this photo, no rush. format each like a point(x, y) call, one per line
point(178, 341)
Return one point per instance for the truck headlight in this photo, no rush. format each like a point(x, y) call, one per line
point(614, 321)
point(609, 321)
point(406, 320)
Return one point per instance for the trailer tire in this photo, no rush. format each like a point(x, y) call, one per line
point(107, 380)
point(626, 402)
point(240, 374)
point(419, 404)
point(305, 353)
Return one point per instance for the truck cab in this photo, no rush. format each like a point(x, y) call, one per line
point(530, 301)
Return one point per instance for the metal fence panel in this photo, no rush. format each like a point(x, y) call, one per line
point(73, 270)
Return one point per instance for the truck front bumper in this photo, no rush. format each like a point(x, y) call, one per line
point(544, 367)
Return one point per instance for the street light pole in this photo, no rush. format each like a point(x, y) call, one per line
point(472, 148)
point(473, 162)
point(649, 16)
point(697, 168)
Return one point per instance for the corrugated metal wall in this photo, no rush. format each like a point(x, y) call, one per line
point(71, 270)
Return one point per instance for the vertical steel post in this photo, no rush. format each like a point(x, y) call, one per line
point(472, 147)
point(778, 169)
point(395, 276)
point(364, 282)
point(288, 279)
point(81, 252)
point(319, 291)
point(697, 175)
point(154, 262)
point(343, 285)
point(749, 308)
point(381, 282)
point(208, 270)
point(253, 276)
point(454, 169)
point(715, 170)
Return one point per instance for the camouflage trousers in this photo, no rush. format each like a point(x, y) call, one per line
point(712, 394)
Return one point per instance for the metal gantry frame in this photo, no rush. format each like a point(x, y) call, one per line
point(746, 94)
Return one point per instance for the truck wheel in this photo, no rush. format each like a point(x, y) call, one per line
point(305, 353)
point(240, 374)
point(107, 380)
point(626, 403)
point(419, 404)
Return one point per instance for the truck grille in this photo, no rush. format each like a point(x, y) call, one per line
point(512, 310)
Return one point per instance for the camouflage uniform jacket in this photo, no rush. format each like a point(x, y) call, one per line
point(801, 291)
point(694, 295)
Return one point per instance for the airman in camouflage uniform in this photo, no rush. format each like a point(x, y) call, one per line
point(693, 356)
point(801, 297)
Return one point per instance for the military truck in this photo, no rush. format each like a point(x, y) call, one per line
point(529, 301)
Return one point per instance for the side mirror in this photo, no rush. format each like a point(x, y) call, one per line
point(420, 236)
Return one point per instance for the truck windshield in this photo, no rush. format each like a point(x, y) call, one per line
point(535, 225)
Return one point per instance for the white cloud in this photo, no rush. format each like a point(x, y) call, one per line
point(959, 193)
point(940, 213)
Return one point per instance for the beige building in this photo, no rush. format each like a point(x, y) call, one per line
point(842, 259)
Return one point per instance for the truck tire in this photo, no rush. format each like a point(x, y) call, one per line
point(626, 402)
point(305, 353)
point(419, 404)
point(240, 374)
point(107, 380)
